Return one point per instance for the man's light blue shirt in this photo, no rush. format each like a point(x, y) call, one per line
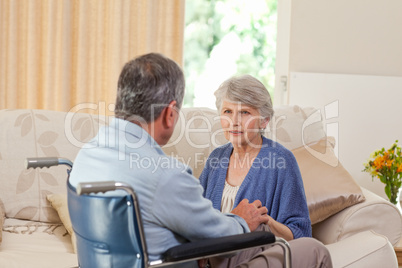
point(172, 206)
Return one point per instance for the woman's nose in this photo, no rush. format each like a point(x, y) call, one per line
point(235, 119)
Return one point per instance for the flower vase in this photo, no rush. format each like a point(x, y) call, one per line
point(395, 198)
point(392, 192)
point(399, 201)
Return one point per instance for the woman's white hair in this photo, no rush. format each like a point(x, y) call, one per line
point(247, 90)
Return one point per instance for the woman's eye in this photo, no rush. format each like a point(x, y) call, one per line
point(226, 111)
point(244, 112)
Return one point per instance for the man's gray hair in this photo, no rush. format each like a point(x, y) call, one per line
point(147, 84)
point(247, 90)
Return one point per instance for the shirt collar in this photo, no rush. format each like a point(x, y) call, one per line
point(134, 133)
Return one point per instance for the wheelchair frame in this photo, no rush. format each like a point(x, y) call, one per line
point(180, 254)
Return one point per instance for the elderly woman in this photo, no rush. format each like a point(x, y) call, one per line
point(254, 167)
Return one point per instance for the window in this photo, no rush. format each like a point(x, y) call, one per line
point(225, 38)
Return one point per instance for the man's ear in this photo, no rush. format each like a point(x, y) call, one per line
point(170, 115)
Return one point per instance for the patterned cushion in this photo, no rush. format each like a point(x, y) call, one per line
point(38, 133)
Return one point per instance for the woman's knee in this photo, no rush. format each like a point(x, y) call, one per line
point(314, 249)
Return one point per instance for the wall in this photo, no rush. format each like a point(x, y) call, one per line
point(360, 37)
point(351, 37)
point(361, 112)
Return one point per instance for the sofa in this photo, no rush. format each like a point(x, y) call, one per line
point(358, 227)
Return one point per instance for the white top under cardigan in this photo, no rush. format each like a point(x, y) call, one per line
point(228, 197)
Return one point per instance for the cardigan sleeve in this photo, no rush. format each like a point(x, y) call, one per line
point(204, 177)
point(293, 210)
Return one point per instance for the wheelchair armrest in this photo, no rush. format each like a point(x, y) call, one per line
point(214, 246)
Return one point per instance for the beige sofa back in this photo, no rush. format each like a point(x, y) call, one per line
point(40, 133)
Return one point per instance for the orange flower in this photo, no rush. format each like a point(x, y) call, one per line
point(379, 162)
point(389, 163)
point(399, 168)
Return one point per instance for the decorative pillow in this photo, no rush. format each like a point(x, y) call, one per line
point(59, 203)
point(328, 185)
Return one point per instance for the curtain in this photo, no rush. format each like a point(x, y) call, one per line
point(66, 55)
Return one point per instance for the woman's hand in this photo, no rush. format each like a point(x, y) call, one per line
point(253, 213)
point(280, 229)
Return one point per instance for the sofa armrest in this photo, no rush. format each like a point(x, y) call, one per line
point(374, 214)
point(365, 249)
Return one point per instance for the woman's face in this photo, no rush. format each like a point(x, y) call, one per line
point(241, 124)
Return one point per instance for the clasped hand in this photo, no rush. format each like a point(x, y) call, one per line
point(253, 213)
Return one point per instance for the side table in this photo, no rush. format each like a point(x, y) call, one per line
point(398, 252)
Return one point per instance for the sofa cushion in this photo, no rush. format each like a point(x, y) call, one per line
point(59, 203)
point(38, 133)
point(36, 245)
point(328, 185)
point(360, 217)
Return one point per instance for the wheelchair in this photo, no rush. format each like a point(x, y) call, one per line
point(110, 233)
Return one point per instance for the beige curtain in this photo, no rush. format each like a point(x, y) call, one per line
point(66, 55)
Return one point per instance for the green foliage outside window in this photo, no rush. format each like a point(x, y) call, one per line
point(225, 38)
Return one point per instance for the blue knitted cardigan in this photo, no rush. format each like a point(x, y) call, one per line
point(274, 178)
